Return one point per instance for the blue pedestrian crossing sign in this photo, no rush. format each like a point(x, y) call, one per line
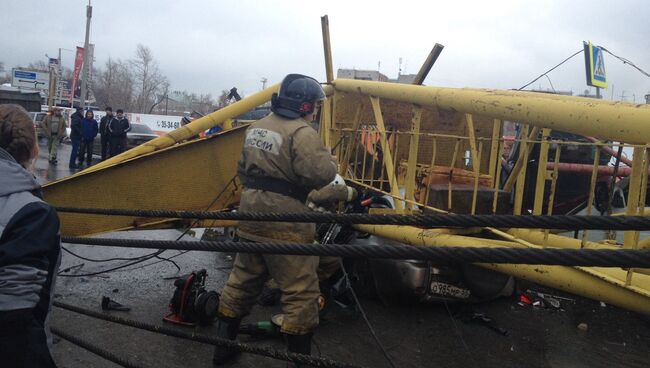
point(595, 66)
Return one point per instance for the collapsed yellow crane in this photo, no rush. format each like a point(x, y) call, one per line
point(430, 149)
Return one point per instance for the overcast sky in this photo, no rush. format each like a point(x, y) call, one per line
point(208, 46)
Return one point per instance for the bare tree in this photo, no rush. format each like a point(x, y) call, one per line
point(162, 96)
point(39, 65)
point(149, 80)
point(223, 99)
point(114, 85)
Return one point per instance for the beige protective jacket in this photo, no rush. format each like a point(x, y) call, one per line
point(47, 123)
point(288, 150)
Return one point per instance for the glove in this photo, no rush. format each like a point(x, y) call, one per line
point(332, 193)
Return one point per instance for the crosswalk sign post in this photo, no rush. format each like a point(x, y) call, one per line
point(595, 67)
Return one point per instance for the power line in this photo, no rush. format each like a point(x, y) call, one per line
point(626, 61)
point(550, 70)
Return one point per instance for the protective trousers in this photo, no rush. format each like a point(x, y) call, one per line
point(297, 278)
point(52, 146)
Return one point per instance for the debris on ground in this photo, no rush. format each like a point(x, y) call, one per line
point(108, 304)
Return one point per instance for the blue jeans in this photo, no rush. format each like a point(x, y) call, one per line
point(75, 150)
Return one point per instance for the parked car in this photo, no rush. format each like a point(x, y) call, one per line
point(37, 118)
point(138, 135)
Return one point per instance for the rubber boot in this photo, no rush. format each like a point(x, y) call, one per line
point(300, 344)
point(227, 328)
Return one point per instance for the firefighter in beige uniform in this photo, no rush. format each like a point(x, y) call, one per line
point(53, 127)
point(282, 160)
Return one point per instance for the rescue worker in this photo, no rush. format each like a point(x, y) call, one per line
point(282, 160)
point(118, 127)
point(105, 137)
point(53, 127)
point(30, 247)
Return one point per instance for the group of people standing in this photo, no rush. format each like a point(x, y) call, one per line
point(83, 131)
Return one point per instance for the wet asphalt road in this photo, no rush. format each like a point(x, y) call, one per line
point(414, 335)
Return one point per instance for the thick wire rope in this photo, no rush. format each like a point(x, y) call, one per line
point(561, 222)
point(137, 260)
point(639, 258)
point(266, 351)
point(94, 349)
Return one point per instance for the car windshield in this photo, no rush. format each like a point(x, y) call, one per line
point(141, 129)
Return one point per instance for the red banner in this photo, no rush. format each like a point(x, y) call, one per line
point(78, 63)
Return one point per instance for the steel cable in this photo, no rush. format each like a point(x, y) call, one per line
point(94, 349)
point(542, 256)
point(563, 222)
point(266, 351)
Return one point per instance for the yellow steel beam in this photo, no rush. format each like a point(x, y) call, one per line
point(325, 125)
point(352, 145)
point(558, 241)
point(614, 120)
point(592, 192)
point(631, 237)
point(187, 131)
point(494, 148)
point(414, 145)
point(327, 48)
point(476, 176)
point(472, 143)
point(386, 153)
point(540, 184)
point(596, 283)
point(520, 174)
point(520, 164)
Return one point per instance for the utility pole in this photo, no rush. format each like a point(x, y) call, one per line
point(84, 70)
point(51, 91)
point(58, 83)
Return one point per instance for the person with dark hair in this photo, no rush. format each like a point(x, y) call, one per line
point(118, 127)
point(75, 135)
point(105, 137)
point(88, 133)
point(30, 247)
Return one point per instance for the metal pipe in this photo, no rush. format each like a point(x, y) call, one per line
point(603, 170)
point(607, 149)
point(428, 64)
point(597, 284)
point(565, 113)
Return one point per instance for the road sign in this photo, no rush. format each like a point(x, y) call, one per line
point(595, 66)
point(30, 79)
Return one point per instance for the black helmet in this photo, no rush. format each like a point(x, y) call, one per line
point(297, 96)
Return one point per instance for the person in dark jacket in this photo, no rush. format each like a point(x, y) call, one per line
point(118, 127)
point(88, 133)
point(105, 137)
point(30, 248)
point(75, 135)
